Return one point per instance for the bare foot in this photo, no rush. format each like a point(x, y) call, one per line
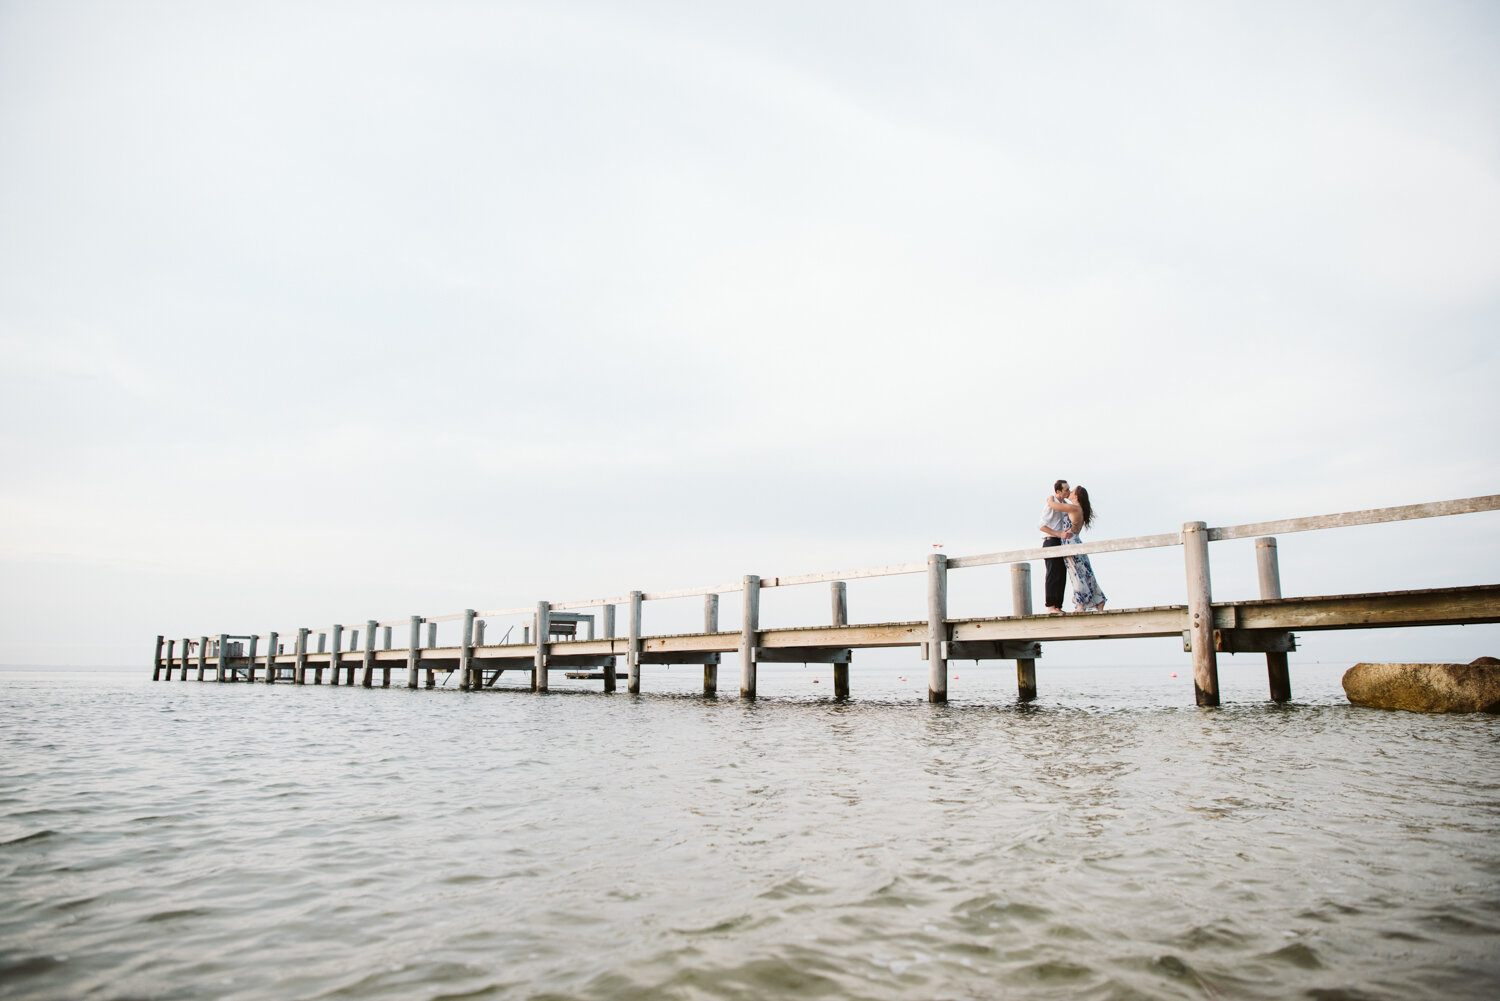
point(1054, 611)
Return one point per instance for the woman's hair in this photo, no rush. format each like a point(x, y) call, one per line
point(1083, 503)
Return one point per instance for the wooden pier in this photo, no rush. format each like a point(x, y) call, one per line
point(550, 642)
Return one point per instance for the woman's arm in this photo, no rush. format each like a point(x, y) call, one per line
point(1058, 505)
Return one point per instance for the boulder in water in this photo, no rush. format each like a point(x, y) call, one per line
point(1426, 688)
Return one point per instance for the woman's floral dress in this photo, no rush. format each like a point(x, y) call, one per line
point(1086, 592)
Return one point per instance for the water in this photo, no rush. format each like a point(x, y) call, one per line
point(230, 841)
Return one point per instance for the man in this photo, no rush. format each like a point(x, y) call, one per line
point(1056, 526)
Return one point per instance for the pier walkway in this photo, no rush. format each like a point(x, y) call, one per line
point(551, 642)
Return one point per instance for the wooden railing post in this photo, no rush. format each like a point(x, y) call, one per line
point(271, 660)
point(431, 635)
point(367, 676)
point(937, 628)
point(299, 666)
point(333, 654)
point(466, 652)
point(610, 681)
point(1200, 613)
point(633, 649)
point(1020, 604)
point(839, 593)
point(413, 651)
point(387, 637)
point(543, 622)
point(711, 625)
point(749, 634)
point(479, 632)
point(156, 660)
point(1268, 568)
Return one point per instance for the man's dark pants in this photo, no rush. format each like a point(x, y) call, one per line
point(1057, 575)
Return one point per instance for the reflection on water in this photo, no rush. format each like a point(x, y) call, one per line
point(188, 841)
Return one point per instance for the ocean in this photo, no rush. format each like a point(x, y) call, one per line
point(1110, 841)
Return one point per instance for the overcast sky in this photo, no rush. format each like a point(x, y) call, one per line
point(319, 312)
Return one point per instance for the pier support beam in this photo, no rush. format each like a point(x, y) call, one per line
point(333, 654)
point(1020, 604)
point(299, 667)
point(710, 625)
point(156, 661)
point(413, 651)
point(250, 662)
point(1268, 568)
point(839, 595)
point(171, 652)
point(610, 682)
point(271, 660)
point(1200, 613)
point(633, 649)
point(937, 628)
point(543, 624)
point(466, 652)
point(367, 676)
point(222, 649)
point(749, 634)
point(202, 658)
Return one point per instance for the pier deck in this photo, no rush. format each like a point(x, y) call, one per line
point(1266, 625)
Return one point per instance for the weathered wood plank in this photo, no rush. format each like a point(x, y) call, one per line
point(1433, 607)
point(1372, 516)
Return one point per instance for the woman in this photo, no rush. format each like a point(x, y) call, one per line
point(1087, 595)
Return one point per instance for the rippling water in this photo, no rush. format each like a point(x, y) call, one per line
point(235, 841)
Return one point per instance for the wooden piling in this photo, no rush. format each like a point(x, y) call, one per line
point(633, 648)
point(249, 662)
point(221, 648)
point(543, 627)
point(1268, 568)
point(171, 652)
point(202, 658)
point(1020, 604)
point(333, 654)
point(466, 652)
point(299, 667)
point(271, 652)
point(186, 647)
point(839, 594)
point(431, 635)
point(156, 660)
point(937, 628)
point(710, 625)
point(367, 676)
point(413, 651)
point(1200, 613)
point(749, 634)
point(387, 637)
point(479, 632)
point(610, 681)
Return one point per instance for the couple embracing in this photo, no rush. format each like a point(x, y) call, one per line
point(1068, 513)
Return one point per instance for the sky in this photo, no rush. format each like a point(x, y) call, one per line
point(321, 312)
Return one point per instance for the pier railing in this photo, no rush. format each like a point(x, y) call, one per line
point(1203, 634)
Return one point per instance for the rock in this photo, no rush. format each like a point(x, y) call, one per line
point(1426, 688)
